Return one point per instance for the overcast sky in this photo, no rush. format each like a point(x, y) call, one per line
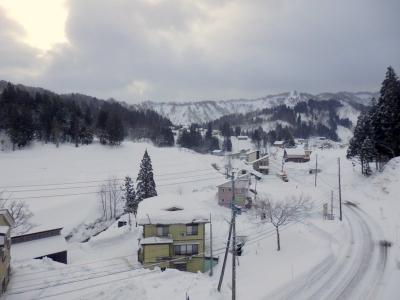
point(164, 50)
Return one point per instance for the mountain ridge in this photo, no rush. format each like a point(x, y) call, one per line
point(208, 110)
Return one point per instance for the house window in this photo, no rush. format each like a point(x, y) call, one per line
point(162, 230)
point(223, 190)
point(192, 229)
point(189, 249)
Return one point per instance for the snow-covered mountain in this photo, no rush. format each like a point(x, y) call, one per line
point(204, 111)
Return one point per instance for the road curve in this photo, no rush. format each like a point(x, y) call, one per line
point(354, 273)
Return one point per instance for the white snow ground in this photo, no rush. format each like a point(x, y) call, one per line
point(106, 267)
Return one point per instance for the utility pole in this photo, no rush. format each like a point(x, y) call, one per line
point(316, 170)
point(229, 238)
point(211, 249)
point(332, 205)
point(233, 242)
point(225, 257)
point(340, 193)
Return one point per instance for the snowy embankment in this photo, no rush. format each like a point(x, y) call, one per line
point(106, 267)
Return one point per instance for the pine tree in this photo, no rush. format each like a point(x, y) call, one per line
point(367, 155)
point(114, 129)
point(386, 122)
point(361, 132)
point(102, 125)
point(146, 186)
point(131, 203)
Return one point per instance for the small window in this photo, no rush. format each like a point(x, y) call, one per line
point(189, 249)
point(192, 229)
point(162, 230)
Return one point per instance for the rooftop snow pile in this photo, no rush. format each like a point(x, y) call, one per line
point(173, 209)
point(298, 151)
point(38, 248)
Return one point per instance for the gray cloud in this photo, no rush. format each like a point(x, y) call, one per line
point(17, 61)
point(183, 50)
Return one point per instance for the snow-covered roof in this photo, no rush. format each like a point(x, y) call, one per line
point(257, 160)
point(156, 240)
point(252, 151)
point(38, 248)
point(256, 173)
point(172, 209)
point(279, 142)
point(8, 216)
point(240, 182)
point(298, 151)
point(4, 229)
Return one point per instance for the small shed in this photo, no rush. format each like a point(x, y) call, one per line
point(36, 245)
point(296, 155)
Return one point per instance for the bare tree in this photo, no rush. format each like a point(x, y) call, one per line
point(20, 212)
point(111, 199)
point(280, 213)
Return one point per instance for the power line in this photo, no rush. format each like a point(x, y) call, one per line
point(97, 192)
point(94, 186)
point(92, 181)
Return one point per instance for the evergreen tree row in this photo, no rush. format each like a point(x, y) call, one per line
point(377, 133)
point(28, 115)
point(193, 139)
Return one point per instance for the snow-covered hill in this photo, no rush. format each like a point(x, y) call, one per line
point(204, 111)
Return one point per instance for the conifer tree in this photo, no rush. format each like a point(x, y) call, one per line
point(131, 203)
point(114, 129)
point(146, 186)
point(386, 123)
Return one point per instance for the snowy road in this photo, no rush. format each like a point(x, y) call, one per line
point(355, 272)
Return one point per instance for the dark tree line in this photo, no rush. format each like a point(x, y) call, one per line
point(193, 139)
point(377, 133)
point(28, 115)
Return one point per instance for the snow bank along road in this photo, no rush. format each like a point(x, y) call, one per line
point(355, 272)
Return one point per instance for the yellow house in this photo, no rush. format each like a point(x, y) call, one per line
point(6, 221)
point(173, 237)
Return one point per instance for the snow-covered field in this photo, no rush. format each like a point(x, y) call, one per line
point(61, 188)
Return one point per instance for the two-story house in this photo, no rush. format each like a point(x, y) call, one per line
point(242, 196)
point(173, 237)
point(6, 221)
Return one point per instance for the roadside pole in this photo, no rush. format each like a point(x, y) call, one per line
point(340, 192)
point(211, 249)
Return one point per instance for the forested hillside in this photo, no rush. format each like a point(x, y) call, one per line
point(29, 114)
point(304, 119)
